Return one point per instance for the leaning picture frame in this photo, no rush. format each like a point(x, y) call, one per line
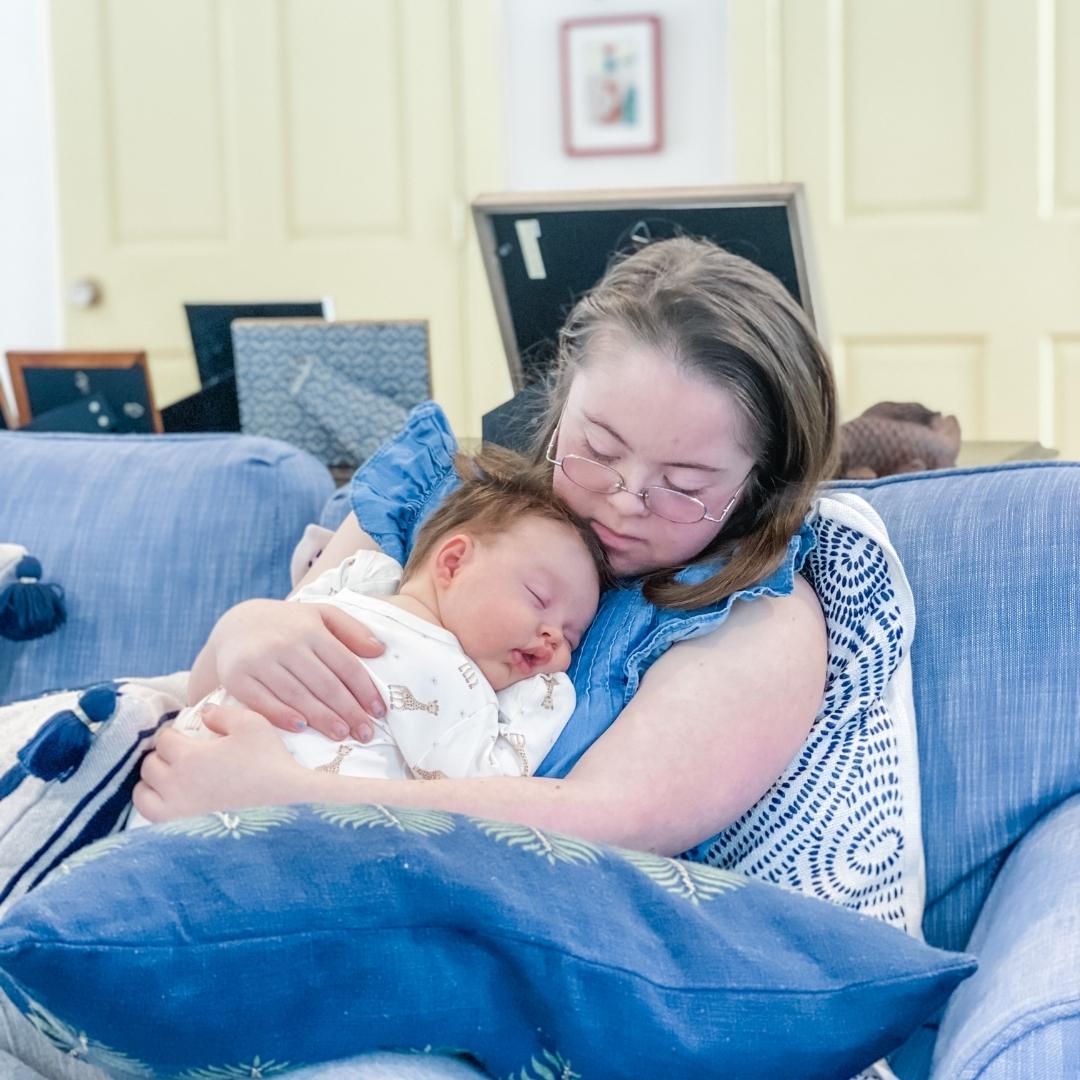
point(544, 250)
point(44, 382)
point(612, 85)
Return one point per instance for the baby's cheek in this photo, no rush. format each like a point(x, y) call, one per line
point(498, 675)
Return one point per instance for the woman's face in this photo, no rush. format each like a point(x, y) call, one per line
point(634, 409)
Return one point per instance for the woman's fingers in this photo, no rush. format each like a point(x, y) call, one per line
point(154, 767)
point(283, 698)
point(148, 802)
point(361, 694)
point(225, 719)
point(318, 695)
point(169, 744)
point(262, 700)
point(359, 642)
point(353, 634)
point(297, 663)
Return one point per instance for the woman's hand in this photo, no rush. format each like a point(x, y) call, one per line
point(248, 766)
point(296, 664)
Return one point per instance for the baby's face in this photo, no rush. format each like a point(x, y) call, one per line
point(522, 601)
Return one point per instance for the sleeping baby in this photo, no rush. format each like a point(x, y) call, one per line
point(478, 628)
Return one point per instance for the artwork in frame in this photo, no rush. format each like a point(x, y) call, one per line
point(612, 91)
point(46, 384)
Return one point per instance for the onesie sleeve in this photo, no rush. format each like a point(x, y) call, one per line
point(370, 573)
point(406, 479)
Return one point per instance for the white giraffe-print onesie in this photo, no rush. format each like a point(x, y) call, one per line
point(443, 719)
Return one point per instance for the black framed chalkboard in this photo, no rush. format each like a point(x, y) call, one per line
point(543, 251)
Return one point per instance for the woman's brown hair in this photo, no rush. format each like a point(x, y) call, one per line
point(723, 318)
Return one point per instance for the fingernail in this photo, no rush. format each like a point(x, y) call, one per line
point(364, 734)
point(339, 730)
point(298, 723)
point(378, 709)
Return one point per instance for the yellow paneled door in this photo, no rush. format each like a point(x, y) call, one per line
point(940, 146)
point(278, 149)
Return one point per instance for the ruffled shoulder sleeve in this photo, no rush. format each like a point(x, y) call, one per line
point(671, 626)
point(395, 490)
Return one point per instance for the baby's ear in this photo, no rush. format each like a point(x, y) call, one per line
point(450, 556)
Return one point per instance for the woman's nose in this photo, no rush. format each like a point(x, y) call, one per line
point(627, 503)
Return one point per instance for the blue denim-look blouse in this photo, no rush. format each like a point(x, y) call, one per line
point(408, 477)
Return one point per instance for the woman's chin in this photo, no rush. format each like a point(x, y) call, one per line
point(624, 565)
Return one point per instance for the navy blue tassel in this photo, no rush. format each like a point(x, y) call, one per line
point(29, 609)
point(58, 747)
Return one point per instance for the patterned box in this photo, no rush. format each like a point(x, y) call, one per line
point(335, 389)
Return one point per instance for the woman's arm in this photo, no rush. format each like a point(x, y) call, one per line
point(714, 723)
point(296, 663)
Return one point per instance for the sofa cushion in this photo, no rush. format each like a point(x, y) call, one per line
point(1020, 1016)
point(309, 933)
point(991, 557)
point(152, 538)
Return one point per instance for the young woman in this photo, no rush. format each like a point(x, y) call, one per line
point(692, 418)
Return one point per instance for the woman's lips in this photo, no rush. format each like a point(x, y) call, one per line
point(612, 540)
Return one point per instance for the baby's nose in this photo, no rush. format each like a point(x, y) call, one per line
point(559, 659)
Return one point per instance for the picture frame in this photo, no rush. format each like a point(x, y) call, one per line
point(612, 85)
point(45, 381)
point(543, 250)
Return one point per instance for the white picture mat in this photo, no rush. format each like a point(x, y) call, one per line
point(583, 44)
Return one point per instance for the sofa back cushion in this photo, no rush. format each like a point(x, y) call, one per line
point(991, 555)
point(152, 538)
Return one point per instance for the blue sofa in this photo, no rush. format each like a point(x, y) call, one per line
point(152, 537)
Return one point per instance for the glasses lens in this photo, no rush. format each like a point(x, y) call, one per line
point(674, 505)
point(591, 475)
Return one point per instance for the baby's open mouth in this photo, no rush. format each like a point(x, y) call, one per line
point(527, 660)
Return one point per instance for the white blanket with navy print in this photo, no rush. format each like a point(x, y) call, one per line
point(43, 822)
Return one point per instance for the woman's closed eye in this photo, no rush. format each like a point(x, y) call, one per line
point(692, 492)
point(596, 455)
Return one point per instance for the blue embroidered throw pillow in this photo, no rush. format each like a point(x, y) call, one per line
point(279, 937)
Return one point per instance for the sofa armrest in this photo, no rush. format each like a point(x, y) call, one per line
point(151, 537)
point(1019, 1015)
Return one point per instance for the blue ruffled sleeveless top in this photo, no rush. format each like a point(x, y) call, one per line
point(407, 478)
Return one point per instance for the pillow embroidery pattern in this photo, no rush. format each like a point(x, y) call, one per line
point(507, 943)
point(690, 882)
point(842, 823)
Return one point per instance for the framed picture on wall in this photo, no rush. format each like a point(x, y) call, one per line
point(612, 92)
point(118, 382)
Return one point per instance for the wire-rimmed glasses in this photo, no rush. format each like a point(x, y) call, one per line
point(665, 502)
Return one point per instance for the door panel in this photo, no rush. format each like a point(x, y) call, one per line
point(939, 146)
point(248, 149)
